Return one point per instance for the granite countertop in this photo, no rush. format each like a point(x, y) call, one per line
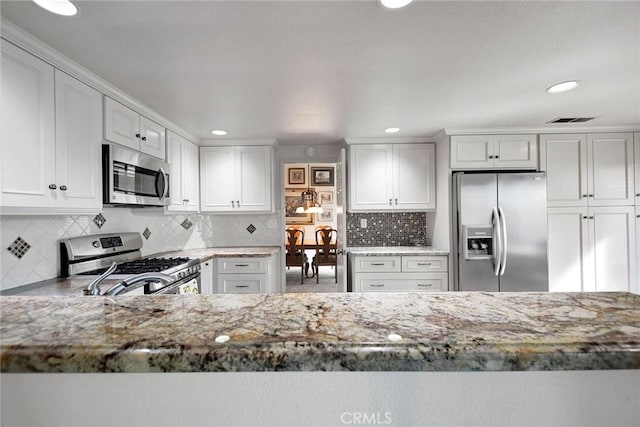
point(395, 250)
point(428, 331)
point(73, 286)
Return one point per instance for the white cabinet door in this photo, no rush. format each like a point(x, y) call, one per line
point(191, 177)
point(28, 131)
point(610, 163)
point(612, 242)
point(121, 124)
point(564, 158)
point(152, 138)
point(175, 157)
point(515, 152)
point(370, 177)
point(78, 144)
point(637, 284)
point(414, 177)
point(217, 169)
point(253, 178)
point(206, 277)
point(568, 248)
point(471, 152)
point(636, 150)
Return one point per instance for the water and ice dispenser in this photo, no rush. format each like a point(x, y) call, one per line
point(477, 241)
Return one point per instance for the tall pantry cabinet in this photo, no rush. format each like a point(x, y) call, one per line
point(591, 215)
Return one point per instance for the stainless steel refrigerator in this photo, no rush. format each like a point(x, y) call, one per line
point(500, 231)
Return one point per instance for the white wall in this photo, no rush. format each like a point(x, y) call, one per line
point(563, 398)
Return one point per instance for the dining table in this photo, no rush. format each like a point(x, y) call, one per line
point(311, 245)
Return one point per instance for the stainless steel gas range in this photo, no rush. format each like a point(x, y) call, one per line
point(119, 256)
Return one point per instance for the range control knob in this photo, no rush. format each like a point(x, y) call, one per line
point(96, 243)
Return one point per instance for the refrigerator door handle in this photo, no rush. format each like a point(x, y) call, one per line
point(497, 256)
point(503, 245)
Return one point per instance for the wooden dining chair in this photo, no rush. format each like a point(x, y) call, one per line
point(295, 256)
point(325, 253)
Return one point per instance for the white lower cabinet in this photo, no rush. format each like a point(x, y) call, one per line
point(241, 275)
point(206, 277)
point(592, 249)
point(399, 273)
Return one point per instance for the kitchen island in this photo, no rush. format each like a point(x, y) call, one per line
point(321, 332)
point(463, 359)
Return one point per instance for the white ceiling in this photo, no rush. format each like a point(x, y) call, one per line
point(321, 71)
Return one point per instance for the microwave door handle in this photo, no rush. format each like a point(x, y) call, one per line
point(165, 184)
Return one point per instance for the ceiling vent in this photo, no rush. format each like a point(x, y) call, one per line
point(571, 120)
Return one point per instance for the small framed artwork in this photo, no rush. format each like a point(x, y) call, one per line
point(291, 203)
point(326, 215)
point(326, 197)
point(296, 175)
point(322, 176)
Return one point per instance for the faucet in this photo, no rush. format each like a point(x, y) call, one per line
point(134, 282)
point(94, 287)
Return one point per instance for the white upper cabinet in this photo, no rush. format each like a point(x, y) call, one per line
point(385, 177)
point(236, 179)
point(50, 145)
point(184, 189)
point(588, 170)
point(470, 152)
point(126, 127)
point(78, 144)
point(636, 150)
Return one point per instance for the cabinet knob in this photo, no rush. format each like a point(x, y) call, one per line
point(585, 195)
point(137, 135)
point(396, 202)
point(144, 138)
point(63, 188)
point(496, 157)
point(52, 186)
point(592, 217)
point(491, 157)
point(390, 203)
point(585, 217)
point(233, 204)
point(590, 195)
point(638, 195)
point(238, 203)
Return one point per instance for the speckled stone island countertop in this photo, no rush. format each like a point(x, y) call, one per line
point(395, 250)
point(430, 331)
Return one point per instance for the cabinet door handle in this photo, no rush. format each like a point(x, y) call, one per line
point(638, 195)
point(52, 186)
point(233, 204)
point(137, 135)
point(242, 265)
point(238, 203)
point(491, 157)
point(377, 263)
point(63, 188)
point(496, 157)
point(424, 263)
point(396, 202)
point(144, 138)
point(377, 286)
point(585, 195)
point(390, 204)
point(585, 217)
point(242, 286)
point(590, 195)
point(425, 285)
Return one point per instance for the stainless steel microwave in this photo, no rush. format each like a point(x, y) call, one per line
point(133, 178)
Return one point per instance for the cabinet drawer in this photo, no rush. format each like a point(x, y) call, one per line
point(380, 264)
point(424, 263)
point(404, 283)
point(241, 283)
point(242, 265)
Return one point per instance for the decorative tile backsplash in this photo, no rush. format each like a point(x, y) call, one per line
point(40, 260)
point(386, 229)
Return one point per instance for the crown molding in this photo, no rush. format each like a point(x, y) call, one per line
point(383, 140)
point(19, 37)
point(230, 141)
point(544, 130)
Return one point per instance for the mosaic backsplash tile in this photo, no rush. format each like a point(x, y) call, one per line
point(386, 229)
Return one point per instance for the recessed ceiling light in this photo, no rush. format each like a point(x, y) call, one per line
point(394, 4)
point(59, 7)
point(219, 132)
point(563, 87)
point(392, 130)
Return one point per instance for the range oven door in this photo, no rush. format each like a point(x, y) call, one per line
point(133, 178)
point(186, 285)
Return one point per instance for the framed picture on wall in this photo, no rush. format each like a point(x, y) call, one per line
point(296, 176)
point(326, 215)
point(326, 197)
point(322, 176)
point(291, 203)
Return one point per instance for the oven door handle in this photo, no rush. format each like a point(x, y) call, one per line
point(174, 285)
point(165, 184)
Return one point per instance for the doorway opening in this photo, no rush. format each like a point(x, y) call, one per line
point(303, 276)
